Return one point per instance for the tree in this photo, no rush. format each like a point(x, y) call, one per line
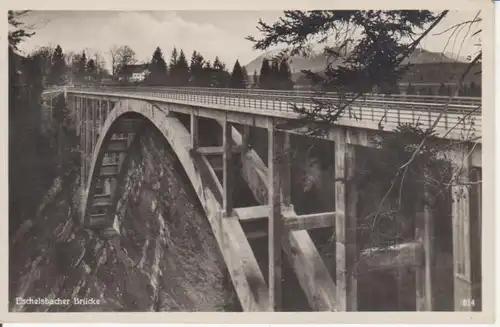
point(100, 64)
point(58, 69)
point(182, 70)
point(373, 59)
point(82, 66)
point(285, 75)
point(44, 56)
point(91, 69)
point(158, 71)
point(28, 147)
point(265, 77)
point(173, 67)
point(120, 57)
point(61, 117)
point(237, 77)
point(255, 79)
point(197, 70)
point(245, 75)
point(17, 31)
point(274, 77)
point(221, 77)
point(406, 161)
point(173, 58)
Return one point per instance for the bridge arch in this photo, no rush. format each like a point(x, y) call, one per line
point(227, 232)
point(172, 130)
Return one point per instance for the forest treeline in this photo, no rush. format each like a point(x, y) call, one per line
point(60, 68)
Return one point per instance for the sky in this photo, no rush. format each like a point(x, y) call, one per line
point(213, 33)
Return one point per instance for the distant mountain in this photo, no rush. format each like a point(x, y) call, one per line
point(428, 67)
point(317, 62)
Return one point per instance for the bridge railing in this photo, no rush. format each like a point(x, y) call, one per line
point(462, 114)
point(473, 101)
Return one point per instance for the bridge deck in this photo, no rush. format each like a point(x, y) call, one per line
point(459, 118)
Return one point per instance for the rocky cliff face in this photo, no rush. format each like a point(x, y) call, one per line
point(166, 258)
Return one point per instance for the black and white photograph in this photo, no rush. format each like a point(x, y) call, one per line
point(245, 160)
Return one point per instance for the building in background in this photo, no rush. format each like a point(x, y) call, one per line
point(134, 73)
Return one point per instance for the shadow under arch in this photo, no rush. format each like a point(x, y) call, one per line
point(246, 275)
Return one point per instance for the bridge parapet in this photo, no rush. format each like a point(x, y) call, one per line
point(459, 117)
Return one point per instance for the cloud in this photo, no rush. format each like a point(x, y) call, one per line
point(141, 30)
point(213, 33)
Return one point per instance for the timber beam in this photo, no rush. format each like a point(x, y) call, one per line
point(108, 170)
point(213, 150)
point(116, 145)
point(252, 213)
point(292, 221)
point(102, 200)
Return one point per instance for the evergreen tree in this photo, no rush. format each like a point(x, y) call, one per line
point(173, 67)
point(265, 75)
point(221, 77)
point(255, 79)
point(182, 70)
point(58, 70)
point(173, 58)
point(61, 118)
point(208, 74)
point(158, 71)
point(30, 170)
point(197, 69)
point(285, 76)
point(82, 66)
point(275, 72)
point(237, 77)
point(245, 76)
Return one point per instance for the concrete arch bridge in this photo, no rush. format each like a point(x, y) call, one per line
point(107, 120)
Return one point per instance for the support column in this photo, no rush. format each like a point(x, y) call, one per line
point(194, 131)
point(228, 170)
point(92, 126)
point(84, 140)
point(285, 161)
point(99, 115)
point(476, 236)
point(88, 151)
point(424, 233)
point(276, 142)
point(77, 116)
point(463, 287)
point(245, 137)
point(82, 132)
point(345, 224)
point(103, 117)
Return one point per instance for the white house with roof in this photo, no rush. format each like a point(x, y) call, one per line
point(134, 73)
